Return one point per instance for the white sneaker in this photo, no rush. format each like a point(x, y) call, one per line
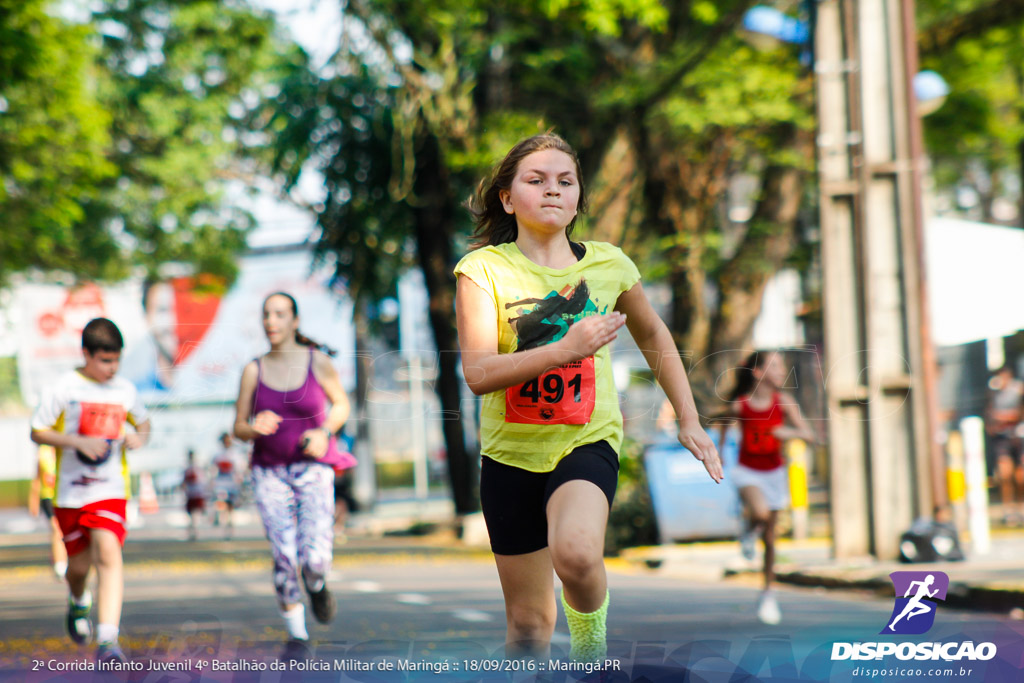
point(768, 609)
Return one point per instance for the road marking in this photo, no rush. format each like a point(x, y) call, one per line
point(413, 599)
point(472, 615)
point(366, 586)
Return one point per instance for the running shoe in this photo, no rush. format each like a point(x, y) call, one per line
point(78, 625)
point(108, 653)
point(323, 604)
point(296, 650)
point(768, 609)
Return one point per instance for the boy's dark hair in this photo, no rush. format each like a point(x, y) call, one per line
point(102, 335)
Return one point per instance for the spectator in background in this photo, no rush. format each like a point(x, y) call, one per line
point(225, 485)
point(1002, 421)
point(344, 501)
point(41, 500)
point(195, 493)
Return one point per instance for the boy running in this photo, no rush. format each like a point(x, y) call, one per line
point(83, 416)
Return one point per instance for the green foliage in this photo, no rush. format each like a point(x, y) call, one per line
point(178, 113)
point(981, 123)
point(345, 125)
point(53, 139)
point(122, 135)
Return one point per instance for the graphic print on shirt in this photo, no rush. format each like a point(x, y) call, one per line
point(102, 421)
point(564, 395)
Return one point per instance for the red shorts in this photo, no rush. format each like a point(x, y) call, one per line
point(195, 505)
point(76, 522)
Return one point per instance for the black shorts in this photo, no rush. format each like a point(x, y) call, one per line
point(515, 500)
point(46, 505)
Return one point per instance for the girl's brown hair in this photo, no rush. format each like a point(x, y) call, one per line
point(299, 337)
point(495, 226)
point(745, 379)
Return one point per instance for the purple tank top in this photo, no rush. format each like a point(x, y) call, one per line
point(300, 409)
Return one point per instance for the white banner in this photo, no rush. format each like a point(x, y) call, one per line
point(185, 342)
point(49, 333)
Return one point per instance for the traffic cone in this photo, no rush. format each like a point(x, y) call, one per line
point(148, 503)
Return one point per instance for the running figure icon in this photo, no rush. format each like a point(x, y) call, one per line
point(915, 607)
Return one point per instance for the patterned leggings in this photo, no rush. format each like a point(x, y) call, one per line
point(296, 503)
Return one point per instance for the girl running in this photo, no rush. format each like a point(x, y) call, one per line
point(282, 409)
point(767, 417)
point(536, 313)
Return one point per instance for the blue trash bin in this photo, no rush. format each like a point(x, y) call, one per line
point(687, 503)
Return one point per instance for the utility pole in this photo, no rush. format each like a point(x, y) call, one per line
point(885, 466)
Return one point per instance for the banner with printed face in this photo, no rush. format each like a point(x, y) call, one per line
point(186, 339)
point(196, 342)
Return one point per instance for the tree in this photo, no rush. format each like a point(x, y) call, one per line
point(386, 209)
point(452, 85)
point(182, 77)
point(665, 102)
point(672, 85)
point(122, 134)
point(54, 137)
point(976, 139)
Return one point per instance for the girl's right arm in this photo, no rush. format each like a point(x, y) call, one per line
point(486, 370)
point(266, 422)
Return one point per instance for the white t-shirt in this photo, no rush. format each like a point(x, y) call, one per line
point(76, 404)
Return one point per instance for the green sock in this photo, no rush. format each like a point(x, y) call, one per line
point(588, 633)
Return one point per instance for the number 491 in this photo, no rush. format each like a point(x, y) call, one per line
point(553, 389)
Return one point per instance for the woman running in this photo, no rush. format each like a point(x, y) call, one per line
point(282, 408)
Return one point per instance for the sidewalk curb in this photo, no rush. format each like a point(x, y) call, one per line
point(963, 595)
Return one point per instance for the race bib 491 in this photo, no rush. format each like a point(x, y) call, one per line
point(564, 395)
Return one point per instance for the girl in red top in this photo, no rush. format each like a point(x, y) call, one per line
point(767, 417)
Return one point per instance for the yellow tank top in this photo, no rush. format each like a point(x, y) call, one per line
point(534, 425)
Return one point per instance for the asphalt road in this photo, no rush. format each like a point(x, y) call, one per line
point(213, 604)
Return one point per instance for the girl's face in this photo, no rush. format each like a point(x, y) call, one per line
point(772, 372)
point(279, 323)
point(545, 192)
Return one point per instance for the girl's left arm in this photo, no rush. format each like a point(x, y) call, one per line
point(655, 341)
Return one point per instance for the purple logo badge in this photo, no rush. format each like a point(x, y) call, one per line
point(916, 593)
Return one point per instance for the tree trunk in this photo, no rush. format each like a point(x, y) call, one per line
point(365, 478)
point(1020, 199)
point(682, 186)
point(433, 210)
point(771, 238)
